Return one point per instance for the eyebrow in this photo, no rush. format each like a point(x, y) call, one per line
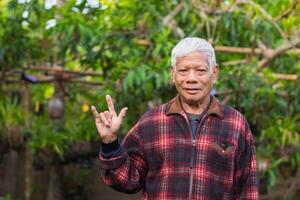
point(197, 66)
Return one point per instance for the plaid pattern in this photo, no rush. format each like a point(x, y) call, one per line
point(162, 159)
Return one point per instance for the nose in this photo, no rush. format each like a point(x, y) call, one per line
point(191, 77)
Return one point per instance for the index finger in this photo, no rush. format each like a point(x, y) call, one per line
point(110, 105)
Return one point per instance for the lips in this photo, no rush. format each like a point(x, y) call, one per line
point(192, 90)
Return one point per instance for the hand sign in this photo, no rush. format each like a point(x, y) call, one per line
point(108, 123)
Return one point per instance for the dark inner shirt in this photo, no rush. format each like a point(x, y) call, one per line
point(194, 120)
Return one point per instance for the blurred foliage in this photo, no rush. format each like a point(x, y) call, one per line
point(128, 43)
point(6, 197)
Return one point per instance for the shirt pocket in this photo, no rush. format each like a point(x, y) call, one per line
point(220, 160)
point(220, 168)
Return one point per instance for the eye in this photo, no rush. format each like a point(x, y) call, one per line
point(200, 70)
point(183, 70)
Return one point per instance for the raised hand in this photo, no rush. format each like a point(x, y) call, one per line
point(108, 122)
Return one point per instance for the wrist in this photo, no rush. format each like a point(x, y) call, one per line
point(111, 148)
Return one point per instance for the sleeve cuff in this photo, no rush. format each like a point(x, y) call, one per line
point(110, 150)
point(110, 147)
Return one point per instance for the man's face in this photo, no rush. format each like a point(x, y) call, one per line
point(193, 77)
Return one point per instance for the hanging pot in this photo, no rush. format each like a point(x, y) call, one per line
point(56, 108)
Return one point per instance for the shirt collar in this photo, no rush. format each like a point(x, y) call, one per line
point(175, 108)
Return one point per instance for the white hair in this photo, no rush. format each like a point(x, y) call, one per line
point(193, 44)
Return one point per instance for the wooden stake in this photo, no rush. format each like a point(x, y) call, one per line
point(28, 155)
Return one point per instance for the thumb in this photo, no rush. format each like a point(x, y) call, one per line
point(122, 113)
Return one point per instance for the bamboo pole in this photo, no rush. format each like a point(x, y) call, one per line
point(289, 77)
point(247, 50)
point(61, 70)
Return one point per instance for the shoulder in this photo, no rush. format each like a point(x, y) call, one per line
point(230, 112)
point(155, 114)
point(235, 118)
point(145, 128)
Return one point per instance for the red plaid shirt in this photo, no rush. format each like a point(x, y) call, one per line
point(161, 158)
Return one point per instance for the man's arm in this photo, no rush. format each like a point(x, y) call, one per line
point(246, 184)
point(124, 168)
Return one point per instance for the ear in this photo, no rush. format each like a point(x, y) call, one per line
point(216, 72)
point(172, 74)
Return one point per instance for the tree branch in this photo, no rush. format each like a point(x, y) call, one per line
point(248, 50)
point(287, 12)
point(241, 50)
point(266, 15)
point(271, 53)
point(287, 77)
point(170, 22)
point(235, 62)
point(277, 76)
point(213, 10)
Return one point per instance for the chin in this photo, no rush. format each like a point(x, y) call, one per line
point(193, 98)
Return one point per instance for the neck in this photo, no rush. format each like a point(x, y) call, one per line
point(195, 107)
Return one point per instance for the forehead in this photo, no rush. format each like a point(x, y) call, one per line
point(193, 59)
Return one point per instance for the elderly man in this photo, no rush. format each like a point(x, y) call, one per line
point(192, 147)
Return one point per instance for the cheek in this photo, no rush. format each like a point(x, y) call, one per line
point(208, 82)
point(209, 79)
point(178, 80)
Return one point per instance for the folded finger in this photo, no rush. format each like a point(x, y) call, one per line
point(104, 120)
point(107, 116)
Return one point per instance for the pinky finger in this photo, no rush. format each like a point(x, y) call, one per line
point(94, 111)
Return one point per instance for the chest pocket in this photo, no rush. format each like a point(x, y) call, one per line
point(222, 146)
point(220, 158)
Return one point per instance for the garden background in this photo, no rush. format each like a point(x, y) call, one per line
point(59, 57)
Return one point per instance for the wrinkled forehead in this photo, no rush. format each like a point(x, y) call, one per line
point(194, 58)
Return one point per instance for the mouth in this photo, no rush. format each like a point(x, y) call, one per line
point(192, 90)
